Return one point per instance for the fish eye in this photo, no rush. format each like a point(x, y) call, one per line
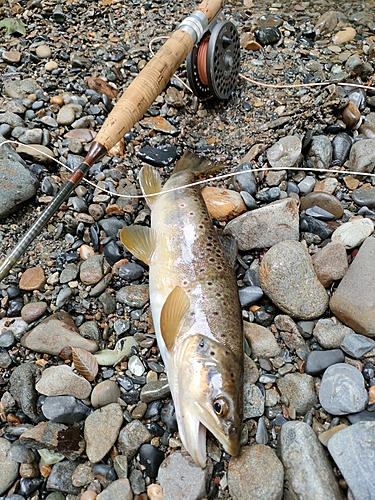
point(221, 407)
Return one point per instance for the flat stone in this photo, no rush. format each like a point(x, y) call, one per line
point(362, 156)
point(344, 35)
point(247, 471)
point(43, 51)
point(286, 152)
point(33, 279)
point(134, 296)
point(60, 478)
point(354, 301)
point(353, 233)
point(33, 310)
point(364, 197)
point(223, 204)
point(288, 278)
point(17, 183)
point(62, 381)
point(330, 263)
point(327, 185)
point(262, 341)
point(22, 388)
point(356, 345)
point(11, 56)
point(179, 473)
point(353, 451)
point(154, 390)
point(64, 409)
point(300, 391)
point(323, 200)
point(20, 89)
point(307, 469)
point(8, 467)
point(342, 390)
point(117, 490)
point(318, 361)
point(38, 153)
point(91, 270)
point(105, 393)
point(330, 333)
point(54, 333)
point(66, 115)
point(266, 226)
point(101, 431)
point(159, 124)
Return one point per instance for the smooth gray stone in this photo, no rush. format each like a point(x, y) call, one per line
point(353, 450)
point(60, 478)
point(342, 390)
point(357, 345)
point(8, 467)
point(64, 409)
point(249, 295)
point(300, 391)
point(17, 183)
point(118, 490)
point(364, 197)
point(319, 361)
point(307, 469)
point(362, 416)
point(320, 153)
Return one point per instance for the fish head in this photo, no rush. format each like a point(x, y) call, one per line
point(208, 394)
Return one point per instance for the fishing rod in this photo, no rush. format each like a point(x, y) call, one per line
point(212, 69)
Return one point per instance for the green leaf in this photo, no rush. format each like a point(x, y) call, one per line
point(13, 25)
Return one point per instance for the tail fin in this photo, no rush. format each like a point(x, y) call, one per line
point(194, 163)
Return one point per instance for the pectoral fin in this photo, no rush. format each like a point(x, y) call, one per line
point(140, 241)
point(172, 314)
point(150, 182)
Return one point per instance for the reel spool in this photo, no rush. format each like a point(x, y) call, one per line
point(213, 65)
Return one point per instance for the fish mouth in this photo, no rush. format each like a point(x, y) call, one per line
point(193, 437)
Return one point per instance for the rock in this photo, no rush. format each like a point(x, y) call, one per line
point(20, 89)
point(179, 473)
point(54, 333)
point(356, 345)
point(247, 471)
point(155, 390)
point(266, 226)
point(364, 197)
point(64, 409)
point(327, 185)
point(323, 200)
point(118, 490)
point(320, 152)
point(33, 310)
point(91, 270)
point(351, 115)
point(66, 115)
point(131, 438)
point(318, 361)
point(62, 381)
point(11, 56)
point(134, 296)
point(22, 388)
point(353, 449)
point(353, 233)
point(353, 301)
point(287, 276)
point(8, 467)
point(330, 263)
point(300, 391)
point(342, 36)
point(326, 23)
point(38, 153)
point(253, 400)
point(342, 390)
point(286, 152)
point(362, 156)
point(325, 436)
point(18, 184)
point(101, 431)
point(262, 341)
point(330, 334)
point(60, 478)
point(43, 51)
point(122, 350)
point(105, 393)
point(151, 458)
point(291, 335)
point(306, 466)
point(32, 279)
point(223, 204)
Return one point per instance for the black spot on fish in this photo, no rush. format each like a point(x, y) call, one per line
point(212, 353)
point(201, 226)
point(218, 294)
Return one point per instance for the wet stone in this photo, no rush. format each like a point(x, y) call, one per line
point(60, 478)
point(105, 393)
point(357, 345)
point(158, 156)
point(342, 390)
point(330, 263)
point(323, 200)
point(364, 197)
point(247, 471)
point(168, 416)
point(353, 451)
point(307, 469)
point(151, 458)
point(318, 361)
point(288, 278)
point(64, 409)
point(249, 295)
point(179, 473)
point(300, 391)
point(130, 271)
point(353, 301)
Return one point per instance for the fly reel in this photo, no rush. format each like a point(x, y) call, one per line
point(213, 65)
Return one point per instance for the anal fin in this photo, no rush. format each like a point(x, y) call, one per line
point(172, 314)
point(140, 241)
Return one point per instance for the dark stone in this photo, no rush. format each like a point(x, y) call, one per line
point(311, 225)
point(60, 478)
point(268, 35)
point(318, 361)
point(28, 485)
point(341, 146)
point(7, 339)
point(168, 416)
point(111, 226)
point(162, 156)
point(153, 409)
point(130, 271)
point(106, 471)
point(249, 295)
point(155, 429)
point(112, 252)
point(64, 409)
point(22, 388)
point(151, 458)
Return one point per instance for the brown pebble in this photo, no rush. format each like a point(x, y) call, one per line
point(223, 204)
point(29, 470)
point(57, 99)
point(43, 51)
point(33, 279)
point(371, 395)
point(344, 35)
point(139, 410)
point(323, 200)
point(154, 492)
point(51, 66)
point(89, 495)
point(33, 310)
point(45, 470)
point(351, 115)
point(11, 56)
point(85, 251)
point(350, 182)
point(367, 130)
point(327, 185)
point(105, 393)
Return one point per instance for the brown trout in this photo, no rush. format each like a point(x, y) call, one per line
point(195, 308)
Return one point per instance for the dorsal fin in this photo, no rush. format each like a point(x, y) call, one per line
point(150, 182)
point(172, 314)
point(140, 241)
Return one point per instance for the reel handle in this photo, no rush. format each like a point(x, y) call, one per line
point(144, 89)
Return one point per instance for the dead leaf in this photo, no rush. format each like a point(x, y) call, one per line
point(102, 87)
point(85, 363)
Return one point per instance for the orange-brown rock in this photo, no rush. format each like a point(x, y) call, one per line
point(33, 279)
point(223, 204)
